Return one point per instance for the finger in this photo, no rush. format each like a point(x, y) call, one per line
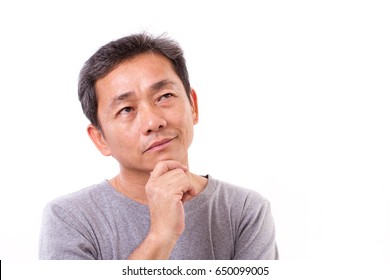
point(163, 167)
point(191, 192)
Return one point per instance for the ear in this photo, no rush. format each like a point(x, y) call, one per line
point(97, 138)
point(194, 106)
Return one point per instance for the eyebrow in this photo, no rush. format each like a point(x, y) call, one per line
point(161, 84)
point(119, 98)
point(154, 88)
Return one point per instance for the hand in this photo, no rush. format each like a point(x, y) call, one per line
point(166, 190)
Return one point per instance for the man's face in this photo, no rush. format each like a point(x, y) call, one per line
point(145, 114)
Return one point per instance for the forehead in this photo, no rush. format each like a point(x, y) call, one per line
point(141, 67)
point(137, 74)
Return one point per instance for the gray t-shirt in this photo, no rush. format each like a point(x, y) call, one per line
point(222, 222)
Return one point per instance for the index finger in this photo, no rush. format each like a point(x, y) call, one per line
point(163, 167)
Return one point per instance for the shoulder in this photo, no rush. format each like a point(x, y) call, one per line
point(235, 198)
point(233, 192)
point(85, 198)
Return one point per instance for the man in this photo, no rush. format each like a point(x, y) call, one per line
point(136, 93)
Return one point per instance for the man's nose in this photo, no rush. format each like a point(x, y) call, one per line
point(152, 120)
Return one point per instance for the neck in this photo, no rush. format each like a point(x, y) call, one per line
point(133, 186)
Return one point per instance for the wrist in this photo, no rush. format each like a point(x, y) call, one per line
point(154, 247)
point(163, 238)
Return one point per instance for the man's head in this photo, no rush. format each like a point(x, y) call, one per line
point(111, 55)
point(136, 93)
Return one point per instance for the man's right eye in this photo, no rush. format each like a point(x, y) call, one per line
point(126, 110)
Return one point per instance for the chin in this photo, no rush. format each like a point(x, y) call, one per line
point(168, 156)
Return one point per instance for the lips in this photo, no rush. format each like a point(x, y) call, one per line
point(158, 145)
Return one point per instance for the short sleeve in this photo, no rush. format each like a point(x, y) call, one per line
point(256, 232)
point(63, 237)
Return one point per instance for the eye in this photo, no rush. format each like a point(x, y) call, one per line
point(125, 110)
point(165, 96)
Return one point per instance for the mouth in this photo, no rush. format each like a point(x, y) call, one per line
point(159, 145)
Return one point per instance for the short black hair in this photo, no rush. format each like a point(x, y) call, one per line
point(112, 54)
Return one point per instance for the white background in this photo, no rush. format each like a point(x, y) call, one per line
point(294, 102)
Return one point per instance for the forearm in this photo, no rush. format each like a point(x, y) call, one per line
point(165, 190)
point(154, 247)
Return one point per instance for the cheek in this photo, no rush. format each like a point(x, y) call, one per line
point(123, 137)
point(188, 125)
point(190, 136)
point(184, 122)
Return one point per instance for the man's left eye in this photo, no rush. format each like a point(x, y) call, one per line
point(165, 96)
